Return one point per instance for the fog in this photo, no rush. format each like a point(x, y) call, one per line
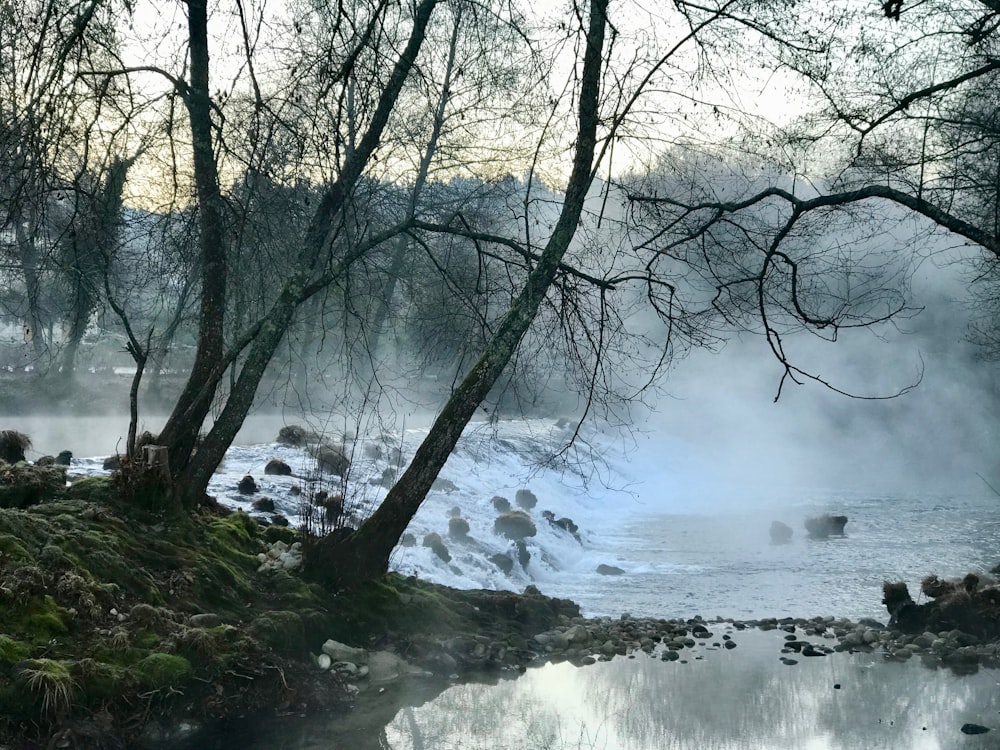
point(936, 437)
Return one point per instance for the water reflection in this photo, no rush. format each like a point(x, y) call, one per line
point(743, 699)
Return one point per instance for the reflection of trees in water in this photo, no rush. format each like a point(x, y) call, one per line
point(729, 699)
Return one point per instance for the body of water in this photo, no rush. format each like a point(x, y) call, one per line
point(684, 549)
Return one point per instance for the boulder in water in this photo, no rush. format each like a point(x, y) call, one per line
point(515, 525)
point(609, 570)
point(264, 504)
point(781, 533)
point(503, 561)
point(458, 527)
point(277, 467)
point(501, 504)
point(526, 499)
point(247, 485)
point(332, 459)
point(821, 527)
point(437, 546)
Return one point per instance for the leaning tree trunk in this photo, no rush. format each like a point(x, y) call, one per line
point(342, 562)
point(192, 471)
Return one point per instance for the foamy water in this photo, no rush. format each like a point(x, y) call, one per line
point(686, 545)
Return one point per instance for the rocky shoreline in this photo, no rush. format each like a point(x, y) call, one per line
point(123, 628)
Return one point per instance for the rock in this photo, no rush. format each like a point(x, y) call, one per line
point(443, 485)
point(502, 561)
point(523, 556)
point(278, 467)
point(458, 528)
point(65, 458)
point(821, 527)
point(204, 620)
point(437, 546)
point(408, 540)
point(515, 525)
point(566, 524)
point(279, 520)
point(781, 533)
point(342, 652)
point(323, 661)
point(247, 485)
point(46, 461)
point(293, 434)
point(112, 463)
point(974, 729)
point(263, 504)
point(526, 499)
point(501, 504)
point(609, 570)
point(454, 512)
point(331, 459)
point(385, 666)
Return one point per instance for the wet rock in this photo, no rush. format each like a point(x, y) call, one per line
point(502, 561)
point(331, 459)
point(277, 467)
point(65, 458)
point(501, 504)
point(294, 434)
point(247, 485)
point(974, 729)
point(458, 528)
point(515, 525)
point(523, 556)
point(821, 527)
point(609, 570)
point(408, 540)
point(781, 533)
point(437, 546)
point(112, 463)
point(263, 504)
point(525, 499)
point(279, 520)
point(444, 485)
point(454, 512)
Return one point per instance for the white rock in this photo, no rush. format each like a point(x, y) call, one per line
point(342, 652)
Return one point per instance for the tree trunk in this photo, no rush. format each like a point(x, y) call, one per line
point(192, 407)
point(193, 471)
point(342, 562)
point(31, 269)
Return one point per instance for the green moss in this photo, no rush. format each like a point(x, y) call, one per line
point(159, 670)
point(147, 640)
point(12, 651)
point(281, 630)
point(284, 534)
point(39, 620)
point(101, 681)
point(91, 489)
point(11, 547)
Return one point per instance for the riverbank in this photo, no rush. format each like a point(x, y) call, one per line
point(114, 620)
point(121, 627)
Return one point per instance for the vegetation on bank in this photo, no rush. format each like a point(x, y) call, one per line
point(112, 617)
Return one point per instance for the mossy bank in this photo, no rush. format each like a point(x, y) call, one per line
point(114, 620)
